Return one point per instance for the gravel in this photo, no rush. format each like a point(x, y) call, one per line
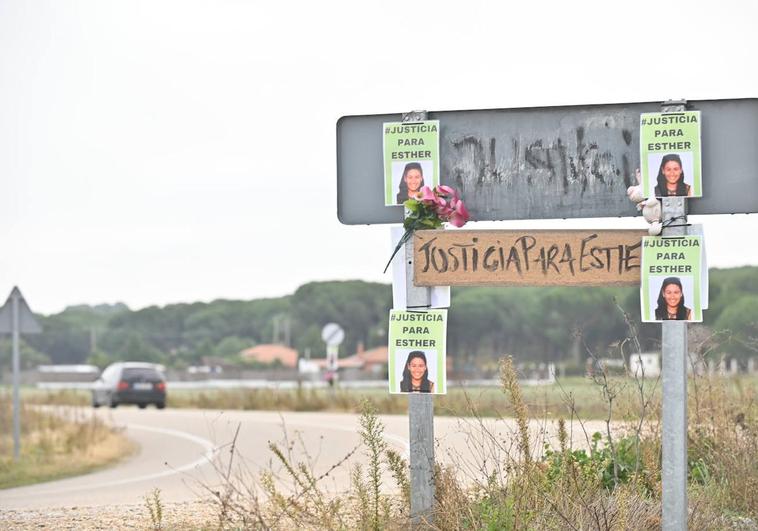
point(180, 516)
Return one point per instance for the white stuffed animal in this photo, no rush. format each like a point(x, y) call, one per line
point(651, 207)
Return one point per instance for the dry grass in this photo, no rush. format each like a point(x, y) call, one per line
point(546, 399)
point(542, 400)
point(615, 484)
point(55, 444)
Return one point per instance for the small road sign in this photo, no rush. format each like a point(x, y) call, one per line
point(332, 334)
point(17, 318)
point(27, 324)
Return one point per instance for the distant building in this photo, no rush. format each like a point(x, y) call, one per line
point(268, 354)
point(647, 363)
point(372, 361)
point(67, 373)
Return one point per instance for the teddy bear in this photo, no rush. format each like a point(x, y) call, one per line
point(650, 207)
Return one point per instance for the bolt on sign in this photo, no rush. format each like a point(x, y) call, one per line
point(527, 258)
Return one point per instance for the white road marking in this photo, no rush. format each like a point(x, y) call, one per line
point(210, 452)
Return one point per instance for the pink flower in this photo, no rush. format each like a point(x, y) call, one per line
point(460, 215)
point(446, 191)
point(429, 208)
point(444, 212)
point(426, 195)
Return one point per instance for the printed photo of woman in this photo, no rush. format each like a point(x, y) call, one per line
point(670, 180)
point(411, 182)
point(671, 302)
point(416, 374)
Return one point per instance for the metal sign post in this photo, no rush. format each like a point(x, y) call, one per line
point(16, 317)
point(674, 354)
point(551, 163)
point(420, 405)
point(16, 380)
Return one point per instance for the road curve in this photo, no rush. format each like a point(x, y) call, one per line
point(184, 452)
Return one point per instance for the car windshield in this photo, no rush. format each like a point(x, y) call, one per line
point(143, 374)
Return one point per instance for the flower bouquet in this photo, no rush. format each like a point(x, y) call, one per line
point(429, 210)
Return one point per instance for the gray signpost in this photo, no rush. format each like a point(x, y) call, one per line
point(16, 318)
point(674, 375)
point(420, 405)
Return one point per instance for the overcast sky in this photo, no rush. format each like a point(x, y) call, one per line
point(158, 151)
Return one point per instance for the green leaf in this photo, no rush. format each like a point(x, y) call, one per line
point(412, 205)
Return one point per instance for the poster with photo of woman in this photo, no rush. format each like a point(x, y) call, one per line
point(672, 279)
point(417, 351)
point(411, 159)
point(670, 154)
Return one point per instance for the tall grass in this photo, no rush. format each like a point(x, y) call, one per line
point(613, 482)
point(55, 444)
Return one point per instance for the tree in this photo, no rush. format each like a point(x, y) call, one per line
point(358, 307)
point(231, 346)
point(741, 318)
point(27, 355)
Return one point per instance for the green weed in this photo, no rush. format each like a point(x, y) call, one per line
point(154, 506)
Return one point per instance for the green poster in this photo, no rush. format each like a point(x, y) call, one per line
point(672, 278)
point(411, 159)
point(670, 154)
point(417, 351)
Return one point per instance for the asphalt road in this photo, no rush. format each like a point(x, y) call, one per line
point(185, 453)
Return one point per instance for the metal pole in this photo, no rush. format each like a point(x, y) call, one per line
point(420, 406)
point(421, 419)
point(674, 354)
point(16, 378)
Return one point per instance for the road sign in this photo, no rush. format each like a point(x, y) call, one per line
point(332, 334)
point(27, 324)
point(550, 162)
point(15, 318)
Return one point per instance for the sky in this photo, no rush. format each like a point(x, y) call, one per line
point(164, 151)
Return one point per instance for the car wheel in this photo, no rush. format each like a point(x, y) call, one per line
point(112, 403)
point(160, 405)
point(95, 403)
point(142, 405)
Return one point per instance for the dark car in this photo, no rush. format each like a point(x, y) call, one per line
point(130, 383)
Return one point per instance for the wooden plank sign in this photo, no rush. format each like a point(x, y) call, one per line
point(527, 258)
